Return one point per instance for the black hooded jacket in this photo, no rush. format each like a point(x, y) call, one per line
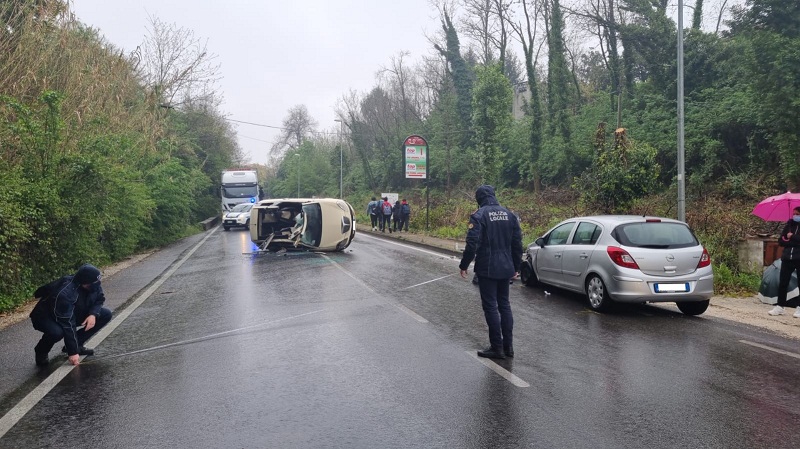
point(791, 245)
point(67, 303)
point(494, 239)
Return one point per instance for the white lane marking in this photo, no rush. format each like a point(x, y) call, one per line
point(770, 348)
point(516, 381)
point(351, 275)
point(411, 313)
point(15, 414)
point(428, 282)
point(208, 337)
point(444, 256)
point(405, 309)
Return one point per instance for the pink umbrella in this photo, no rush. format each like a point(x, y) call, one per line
point(778, 207)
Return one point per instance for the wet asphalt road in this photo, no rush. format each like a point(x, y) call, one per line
point(374, 348)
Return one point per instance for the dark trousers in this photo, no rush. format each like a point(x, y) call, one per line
point(403, 223)
point(497, 311)
point(386, 222)
point(52, 332)
point(396, 223)
point(374, 219)
point(787, 267)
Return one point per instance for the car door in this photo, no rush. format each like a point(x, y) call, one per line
point(577, 254)
point(548, 258)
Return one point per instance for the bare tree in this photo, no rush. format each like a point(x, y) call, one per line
point(297, 127)
point(175, 65)
point(478, 25)
point(404, 86)
point(349, 107)
point(486, 23)
point(527, 37)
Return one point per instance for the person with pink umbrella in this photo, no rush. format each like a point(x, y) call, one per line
point(790, 260)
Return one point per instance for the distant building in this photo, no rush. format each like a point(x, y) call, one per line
point(522, 96)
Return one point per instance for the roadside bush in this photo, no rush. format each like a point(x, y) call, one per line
point(728, 281)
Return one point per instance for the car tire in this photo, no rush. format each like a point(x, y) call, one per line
point(226, 228)
point(596, 293)
point(693, 308)
point(526, 274)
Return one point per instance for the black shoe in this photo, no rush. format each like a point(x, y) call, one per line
point(491, 353)
point(509, 352)
point(41, 359)
point(83, 350)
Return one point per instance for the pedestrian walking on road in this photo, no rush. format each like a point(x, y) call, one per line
point(790, 261)
point(494, 241)
point(69, 308)
point(372, 211)
point(386, 214)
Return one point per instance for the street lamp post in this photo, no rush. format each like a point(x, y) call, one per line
point(341, 159)
point(297, 169)
point(681, 150)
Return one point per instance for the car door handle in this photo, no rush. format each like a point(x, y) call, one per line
point(584, 256)
point(557, 255)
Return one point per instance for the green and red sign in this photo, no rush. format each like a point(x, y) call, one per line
point(415, 150)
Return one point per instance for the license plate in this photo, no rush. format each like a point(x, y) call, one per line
point(672, 288)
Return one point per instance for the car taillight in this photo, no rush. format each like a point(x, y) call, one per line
point(704, 259)
point(621, 257)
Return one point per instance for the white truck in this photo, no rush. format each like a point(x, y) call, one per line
point(238, 186)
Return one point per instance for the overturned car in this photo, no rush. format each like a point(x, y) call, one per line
point(323, 224)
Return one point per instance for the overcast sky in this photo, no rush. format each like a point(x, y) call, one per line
point(275, 54)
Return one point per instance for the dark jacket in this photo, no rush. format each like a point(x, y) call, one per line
point(791, 246)
point(405, 210)
point(494, 239)
point(68, 304)
point(372, 207)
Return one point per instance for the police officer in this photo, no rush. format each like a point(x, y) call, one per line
point(494, 241)
point(65, 305)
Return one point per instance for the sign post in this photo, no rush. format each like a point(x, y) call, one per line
point(415, 157)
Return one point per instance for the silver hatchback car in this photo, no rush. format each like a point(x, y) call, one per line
point(625, 258)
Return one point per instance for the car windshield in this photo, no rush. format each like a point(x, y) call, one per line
point(240, 192)
point(243, 207)
point(313, 220)
point(659, 235)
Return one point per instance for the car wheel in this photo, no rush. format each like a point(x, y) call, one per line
point(693, 308)
point(526, 274)
point(226, 228)
point(247, 224)
point(599, 299)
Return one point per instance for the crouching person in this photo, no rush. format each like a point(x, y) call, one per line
point(64, 306)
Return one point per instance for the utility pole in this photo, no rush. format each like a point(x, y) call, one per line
point(297, 169)
point(341, 158)
point(681, 168)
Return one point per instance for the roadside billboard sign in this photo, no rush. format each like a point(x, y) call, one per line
point(415, 153)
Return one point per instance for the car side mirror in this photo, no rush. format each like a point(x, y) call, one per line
point(540, 242)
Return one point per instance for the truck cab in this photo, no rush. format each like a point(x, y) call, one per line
point(238, 186)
